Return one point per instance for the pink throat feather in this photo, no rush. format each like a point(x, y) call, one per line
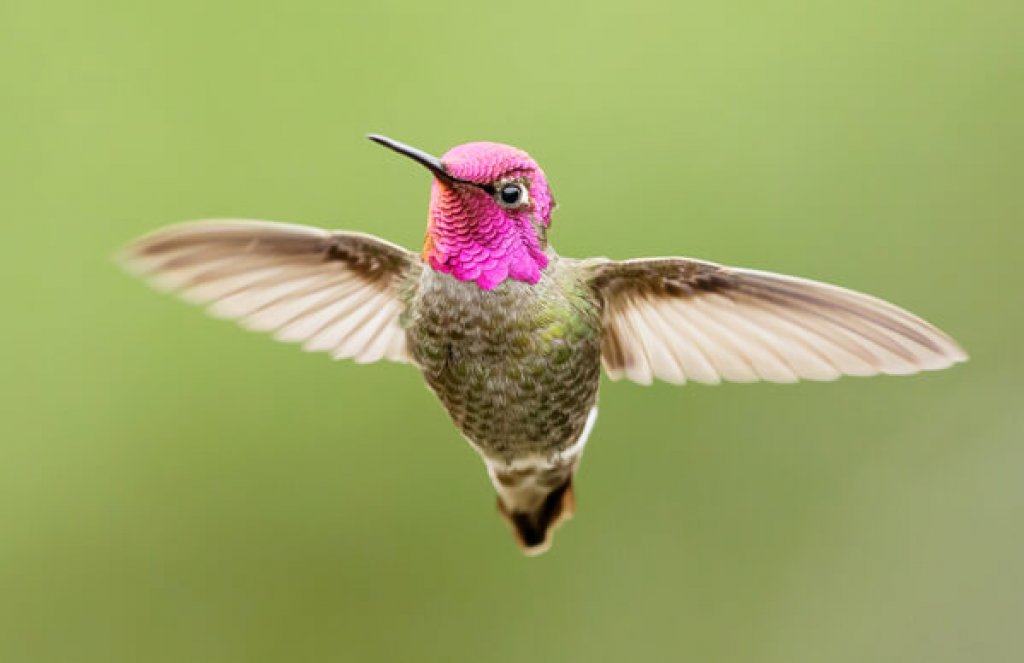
point(471, 236)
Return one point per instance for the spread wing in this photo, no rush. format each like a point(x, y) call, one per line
point(336, 292)
point(678, 319)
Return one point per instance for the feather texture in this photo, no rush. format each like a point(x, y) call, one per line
point(336, 292)
point(678, 319)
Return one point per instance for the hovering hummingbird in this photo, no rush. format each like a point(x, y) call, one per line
point(511, 336)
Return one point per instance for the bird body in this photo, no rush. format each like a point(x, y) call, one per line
point(517, 368)
point(510, 336)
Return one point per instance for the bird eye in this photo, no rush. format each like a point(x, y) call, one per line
point(512, 195)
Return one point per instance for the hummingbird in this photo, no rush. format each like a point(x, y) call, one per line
point(511, 336)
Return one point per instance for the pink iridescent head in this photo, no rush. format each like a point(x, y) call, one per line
point(490, 208)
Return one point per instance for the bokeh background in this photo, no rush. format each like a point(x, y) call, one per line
point(173, 489)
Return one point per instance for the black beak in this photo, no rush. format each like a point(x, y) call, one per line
point(432, 163)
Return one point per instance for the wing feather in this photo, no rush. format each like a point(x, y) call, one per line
point(756, 343)
point(729, 362)
point(678, 319)
point(337, 292)
point(643, 368)
point(665, 354)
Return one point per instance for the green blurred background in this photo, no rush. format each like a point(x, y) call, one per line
point(173, 489)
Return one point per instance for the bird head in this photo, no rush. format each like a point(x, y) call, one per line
point(490, 208)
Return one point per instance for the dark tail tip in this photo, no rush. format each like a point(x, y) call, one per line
point(533, 529)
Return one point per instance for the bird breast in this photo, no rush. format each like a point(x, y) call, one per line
point(517, 367)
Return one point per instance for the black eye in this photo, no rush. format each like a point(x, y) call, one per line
point(511, 194)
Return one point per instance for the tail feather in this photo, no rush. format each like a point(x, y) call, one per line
point(535, 501)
